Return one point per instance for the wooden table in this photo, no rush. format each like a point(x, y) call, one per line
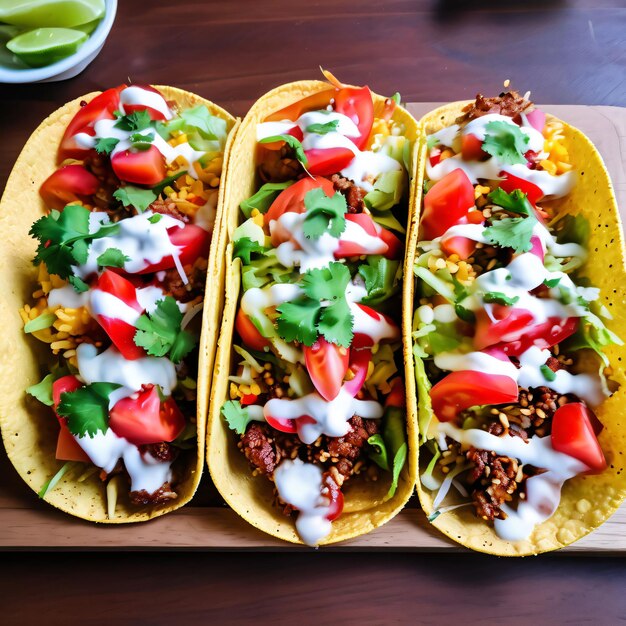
point(232, 52)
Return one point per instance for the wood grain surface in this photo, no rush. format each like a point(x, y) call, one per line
point(232, 52)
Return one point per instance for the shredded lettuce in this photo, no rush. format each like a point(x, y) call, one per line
point(263, 198)
point(382, 278)
point(387, 193)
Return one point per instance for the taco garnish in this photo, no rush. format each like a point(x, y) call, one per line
point(315, 395)
point(511, 339)
point(122, 256)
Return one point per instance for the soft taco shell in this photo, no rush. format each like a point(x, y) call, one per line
point(251, 497)
point(29, 429)
point(587, 501)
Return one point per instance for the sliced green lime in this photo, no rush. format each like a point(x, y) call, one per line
point(89, 27)
point(39, 13)
point(44, 46)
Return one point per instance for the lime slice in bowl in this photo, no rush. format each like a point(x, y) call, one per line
point(44, 46)
point(62, 13)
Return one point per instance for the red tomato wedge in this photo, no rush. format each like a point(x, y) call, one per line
point(249, 333)
point(573, 434)
point(284, 425)
point(510, 324)
point(327, 365)
point(101, 107)
point(460, 390)
point(292, 198)
point(142, 418)
point(67, 447)
point(391, 247)
point(145, 167)
point(357, 104)
point(397, 395)
point(472, 148)
point(154, 114)
point(461, 246)
point(192, 241)
point(510, 183)
point(446, 203)
point(359, 364)
point(121, 333)
point(544, 335)
point(68, 184)
point(327, 161)
point(388, 329)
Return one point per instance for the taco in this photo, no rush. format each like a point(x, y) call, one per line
point(120, 191)
point(307, 434)
point(520, 283)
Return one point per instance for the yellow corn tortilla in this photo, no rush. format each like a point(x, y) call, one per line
point(586, 501)
point(30, 429)
point(251, 497)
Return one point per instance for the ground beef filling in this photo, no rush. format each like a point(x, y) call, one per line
point(494, 480)
point(509, 103)
point(354, 195)
point(339, 457)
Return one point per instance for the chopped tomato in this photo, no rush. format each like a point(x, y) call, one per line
point(327, 365)
point(460, 390)
point(68, 184)
point(291, 200)
point(67, 447)
point(101, 107)
point(461, 246)
point(359, 364)
point(327, 161)
point(391, 247)
point(248, 398)
point(537, 247)
point(510, 183)
point(193, 243)
point(397, 395)
point(284, 425)
point(537, 119)
point(573, 434)
point(142, 418)
point(544, 335)
point(249, 333)
point(335, 496)
point(145, 167)
point(364, 340)
point(472, 148)
point(357, 104)
point(154, 114)
point(121, 333)
point(446, 203)
point(508, 324)
point(434, 156)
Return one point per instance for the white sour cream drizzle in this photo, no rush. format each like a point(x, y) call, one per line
point(366, 165)
point(300, 485)
point(553, 186)
point(137, 96)
point(329, 417)
point(543, 491)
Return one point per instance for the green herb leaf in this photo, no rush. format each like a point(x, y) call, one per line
point(328, 283)
point(166, 182)
point(323, 129)
point(237, 417)
point(87, 409)
point(336, 322)
point(466, 315)
point(155, 218)
point(382, 278)
point(263, 198)
point(514, 202)
point(80, 286)
point(244, 247)
point(548, 374)
point(39, 323)
point(160, 333)
point(506, 142)
point(43, 390)
point(324, 214)
point(112, 257)
point(552, 282)
point(511, 232)
point(292, 142)
point(105, 145)
point(379, 454)
point(141, 142)
point(298, 320)
point(137, 197)
point(135, 121)
point(497, 297)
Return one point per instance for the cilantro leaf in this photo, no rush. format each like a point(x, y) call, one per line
point(87, 409)
point(237, 417)
point(323, 129)
point(135, 121)
point(552, 282)
point(514, 202)
point(467, 315)
point(105, 145)
point(112, 257)
point(43, 390)
point(263, 198)
point(298, 320)
point(382, 278)
point(496, 297)
point(336, 323)
point(157, 217)
point(160, 332)
point(328, 283)
point(244, 247)
point(324, 214)
point(292, 142)
point(141, 142)
point(139, 198)
point(505, 141)
point(79, 284)
point(511, 232)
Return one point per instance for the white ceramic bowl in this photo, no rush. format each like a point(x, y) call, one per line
point(70, 66)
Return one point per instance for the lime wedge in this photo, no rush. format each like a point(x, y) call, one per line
point(89, 27)
point(39, 13)
point(44, 46)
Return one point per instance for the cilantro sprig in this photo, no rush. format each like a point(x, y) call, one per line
point(135, 121)
point(106, 145)
point(497, 297)
point(323, 309)
point(64, 240)
point(87, 409)
point(505, 141)
point(160, 332)
point(324, 214)
point(323, 129)
point(237, 417)
point(512, 232)
point(293, 143)
point(244, 247)
point(141, 198)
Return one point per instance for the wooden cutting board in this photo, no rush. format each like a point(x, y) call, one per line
point(207, 524)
